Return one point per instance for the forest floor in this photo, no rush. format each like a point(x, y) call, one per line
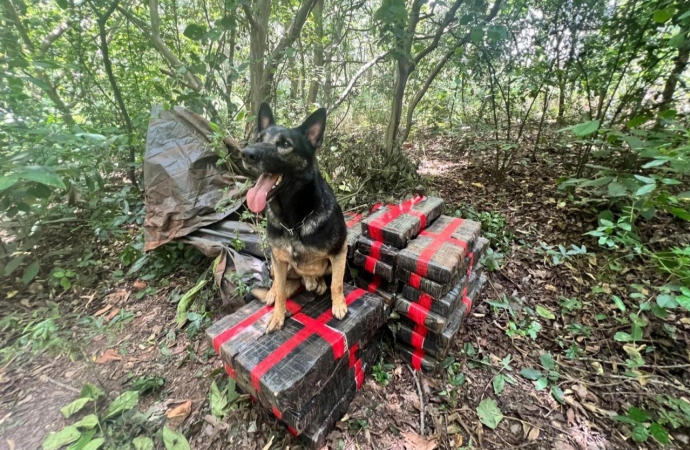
point(116, 332)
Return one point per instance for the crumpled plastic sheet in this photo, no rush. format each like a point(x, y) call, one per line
point(192, 199)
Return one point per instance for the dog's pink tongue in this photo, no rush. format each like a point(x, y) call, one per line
point(256, 196)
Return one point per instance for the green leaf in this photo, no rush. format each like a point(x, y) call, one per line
point(186, 301)
point(39, 83)
point(558, 394)
point(638, 415)
point(677, 40)
point(685, 15)
point(95, 444)
point(597, 182)
point(499, 383)
point(531, 374)
point(684, 301)
point(545, 313)
point(142, 443)
point(617, 190)
point(659, 433)
point(8, 181)
point(622, 336)
point(13, 264)
point(586, 128)
point(30, 272)
point(547, 361)
point(41, 175)
point(640, 433)
point(662, 16)
point(194, 31)
point(83, 440)
point(87, 422)
point(91, 391)
point(666, 301)
point(645, 180)
point(661, 313)
point(541, 384)
point(123, 403)
point(63, 437)
point(655, 163)
point(174, 440)
point(489, 414)
point(74, 407)
point(636, 332)
point(218, 400)
point(619, 303)
point(646, 189)
point(477, 34)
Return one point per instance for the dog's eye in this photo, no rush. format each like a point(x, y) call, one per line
point(284, 144)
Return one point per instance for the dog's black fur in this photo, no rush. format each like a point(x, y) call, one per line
point(302, 202)
point(303, 190)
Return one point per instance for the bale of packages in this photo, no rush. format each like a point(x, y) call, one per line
point(396, 225)
point(374, 266)
point(377, 250)
point(437, 343)
point(284, 370)
point(433, 288)
point(377, 285)
point(414, 352)
point(439, 251)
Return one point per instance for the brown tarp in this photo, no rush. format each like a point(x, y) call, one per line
point(194, 195)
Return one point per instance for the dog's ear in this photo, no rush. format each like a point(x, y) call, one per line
point(265, 117)
point(314, 126)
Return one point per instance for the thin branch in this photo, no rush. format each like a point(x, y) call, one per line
point(14, 17)
point(356, 77)
point(53, 36)
point(447, 19)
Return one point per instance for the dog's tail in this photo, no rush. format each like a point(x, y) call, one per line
point(292, 286)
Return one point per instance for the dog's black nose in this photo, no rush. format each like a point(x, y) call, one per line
point(250, 154)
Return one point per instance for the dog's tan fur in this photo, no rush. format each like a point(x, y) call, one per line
point(287, 275)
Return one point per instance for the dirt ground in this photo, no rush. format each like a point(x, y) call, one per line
point(384, 415)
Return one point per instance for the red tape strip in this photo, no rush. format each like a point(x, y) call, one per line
point(298, 338)
point(374, 285)
point(468, 304)
point(415, 280)
point(356, 218)
point(335, 338)
point(425, 300)
point(375, 227)
point(417, 359)
point(370, 264)
point(375, 251)
point(418, 336)
point(417, 313)
point(439, 239)
point(353, 355)
point(233, 331)
point(230, 371)
point(277, 413)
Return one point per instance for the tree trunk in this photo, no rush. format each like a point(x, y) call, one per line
point(258, 36)
point(318, 54)
point(680, 63)
point(401, 78)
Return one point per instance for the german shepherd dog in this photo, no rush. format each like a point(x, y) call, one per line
point(305, 225)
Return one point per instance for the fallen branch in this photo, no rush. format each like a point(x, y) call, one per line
point(421, 399)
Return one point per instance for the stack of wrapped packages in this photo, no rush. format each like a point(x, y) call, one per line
point(424, 263)
point(307, 373)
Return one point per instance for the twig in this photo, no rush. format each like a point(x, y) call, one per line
point(421, 400)
point(57, 383)
point(469, 433)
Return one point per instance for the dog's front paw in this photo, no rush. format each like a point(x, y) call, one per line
point(339, 308)
point(270, 297)
point(276, 322)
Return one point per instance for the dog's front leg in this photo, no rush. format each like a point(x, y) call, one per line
point(277, 294)
point(338, 261)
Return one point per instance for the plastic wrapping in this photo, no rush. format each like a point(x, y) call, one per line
point(440, 250)
point(396, 225)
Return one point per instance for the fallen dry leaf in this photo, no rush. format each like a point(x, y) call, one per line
point(139, 285)
point(103, 310)
point(10, 444)
point(112, 314)
point(417, 442)
point(533, 434)
point(178, 414)
point(109, 355)
point(269, 443)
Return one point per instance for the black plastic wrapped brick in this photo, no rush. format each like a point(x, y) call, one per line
point(286, 368)
point(354, 231)
point(439, 251)
point(374, 266)
point(396, 225)
point(377, 285)
point(377, 250)
point(434, 289)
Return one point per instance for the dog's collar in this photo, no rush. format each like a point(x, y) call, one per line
point(292, 230)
